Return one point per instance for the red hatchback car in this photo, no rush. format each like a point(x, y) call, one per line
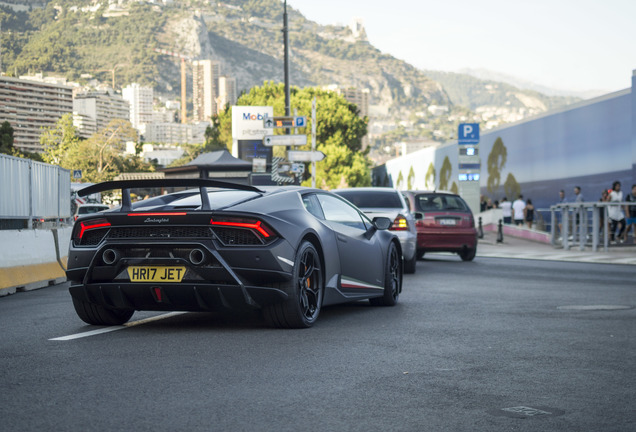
point(444, 223)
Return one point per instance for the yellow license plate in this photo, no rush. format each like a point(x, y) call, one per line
point(156, 273)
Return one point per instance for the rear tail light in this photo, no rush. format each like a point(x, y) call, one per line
point(400, 224)
point(89, 225)
point(259, 228)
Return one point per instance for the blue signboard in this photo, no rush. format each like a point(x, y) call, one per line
point(468, 133)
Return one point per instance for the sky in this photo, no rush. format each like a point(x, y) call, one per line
point(572, 45)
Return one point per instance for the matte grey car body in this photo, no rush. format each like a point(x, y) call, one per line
point(388, 202)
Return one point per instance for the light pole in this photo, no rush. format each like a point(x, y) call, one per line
point(286, 64)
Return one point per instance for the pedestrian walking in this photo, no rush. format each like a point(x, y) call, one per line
point(506, 210)
point(616, 214)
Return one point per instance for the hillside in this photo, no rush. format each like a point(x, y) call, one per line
point(81, 39)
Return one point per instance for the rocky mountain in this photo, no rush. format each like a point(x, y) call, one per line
point(92, 38)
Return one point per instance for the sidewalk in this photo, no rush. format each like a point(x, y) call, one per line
point(513, 247)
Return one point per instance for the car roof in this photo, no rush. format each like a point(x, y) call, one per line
point(417, 192)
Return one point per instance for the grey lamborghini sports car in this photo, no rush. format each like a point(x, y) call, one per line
point(287, 251)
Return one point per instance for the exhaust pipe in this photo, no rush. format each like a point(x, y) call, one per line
point(197, 256)
point(110, 256)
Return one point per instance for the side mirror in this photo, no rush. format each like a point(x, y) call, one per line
point(382, 223)
point(418, 215)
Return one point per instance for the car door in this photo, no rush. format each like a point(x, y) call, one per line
point(360, 254)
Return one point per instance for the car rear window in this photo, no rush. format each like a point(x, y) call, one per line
point(372, 199)
point(433, 202)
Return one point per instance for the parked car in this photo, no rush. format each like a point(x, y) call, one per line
point(285, 250)
point(388, 202)
point(84, 209)
point(444, 223)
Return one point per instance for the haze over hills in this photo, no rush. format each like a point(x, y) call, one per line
point(488, 75)
point(84, 38)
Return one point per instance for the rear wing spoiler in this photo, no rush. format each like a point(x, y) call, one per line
point(126, 185)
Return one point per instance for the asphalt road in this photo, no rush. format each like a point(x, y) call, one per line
point(492, 345)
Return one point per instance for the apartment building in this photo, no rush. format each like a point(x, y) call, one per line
point(228, 93)
point(140, 100)
point(176, 133)
point(29, 106)
point(101, 106)
point(205, 89)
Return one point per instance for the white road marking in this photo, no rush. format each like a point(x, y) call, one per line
point(115, 328)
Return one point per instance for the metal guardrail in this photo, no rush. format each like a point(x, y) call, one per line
point(584, 230)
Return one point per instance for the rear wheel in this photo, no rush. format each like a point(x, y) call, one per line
point(409, 265)
point(468, 254)
point(302, 307)
point(392, 279)
point(99, 315)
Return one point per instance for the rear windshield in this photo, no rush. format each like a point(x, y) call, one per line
point(218, 199)
point(372, 199)
point(433, 202)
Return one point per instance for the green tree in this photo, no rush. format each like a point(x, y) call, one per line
point(496, 162)
point(454, 189)
point(213, 140)
point(337, 125)
point(341, 167)
point(512, 187)
point(445, 174)
point(59, 139)
point(6, 138)
point(430, 177)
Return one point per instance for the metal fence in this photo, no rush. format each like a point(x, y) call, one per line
point(582, 224)
point(32, 192)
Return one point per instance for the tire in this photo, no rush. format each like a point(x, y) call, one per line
point(409, 266)
point(306, 289)
point(99, 315)
point(420, 254)
point(392, 279)
point(468, 254)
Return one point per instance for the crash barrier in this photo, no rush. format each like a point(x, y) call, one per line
point(583, 224)
point(32, 259)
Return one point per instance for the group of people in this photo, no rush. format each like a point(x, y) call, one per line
point(519, 211)
point(621, 218)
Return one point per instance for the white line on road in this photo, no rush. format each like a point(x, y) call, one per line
point(115, 328)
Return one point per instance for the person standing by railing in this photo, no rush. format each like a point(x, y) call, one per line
point(630, 212)
point(615, 213)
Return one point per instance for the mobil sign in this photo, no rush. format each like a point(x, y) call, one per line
point(247, 121)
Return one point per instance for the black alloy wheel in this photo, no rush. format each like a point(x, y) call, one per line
point(306, 289)
point(392, 279)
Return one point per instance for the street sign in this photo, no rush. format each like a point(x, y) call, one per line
point(298, 168)
point(286, 140)
point(285, 122)
point(305, 156)
point(468, 133)
point(77, 174)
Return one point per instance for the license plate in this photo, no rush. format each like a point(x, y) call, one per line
point(447, 222)
point(156, 273)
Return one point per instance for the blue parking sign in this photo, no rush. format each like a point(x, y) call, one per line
point(468, 133)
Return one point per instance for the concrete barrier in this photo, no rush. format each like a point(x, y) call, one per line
point(29, 259)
